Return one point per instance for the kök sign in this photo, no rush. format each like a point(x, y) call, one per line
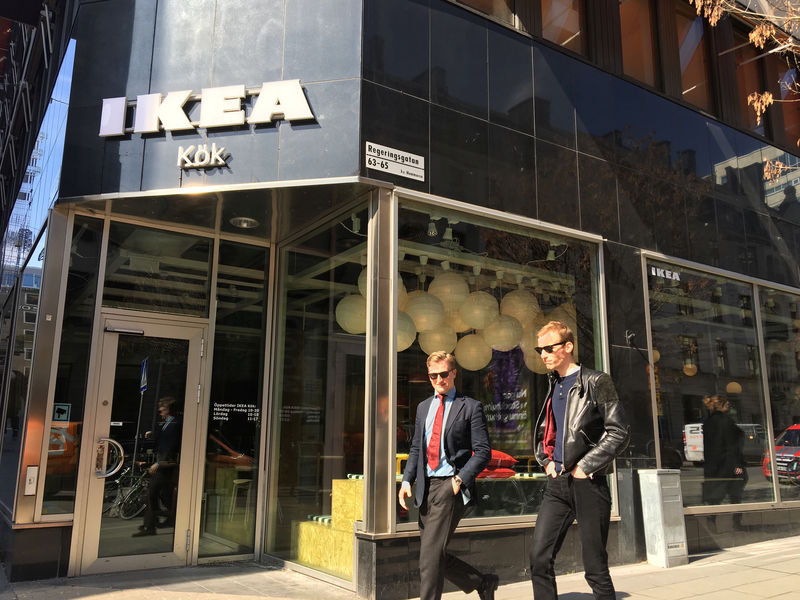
point(219, 107)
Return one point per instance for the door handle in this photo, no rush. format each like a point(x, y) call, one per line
point(101, 458)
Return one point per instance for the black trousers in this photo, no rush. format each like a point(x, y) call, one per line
point(439, 515)
point(566, 499)
point(162, 488)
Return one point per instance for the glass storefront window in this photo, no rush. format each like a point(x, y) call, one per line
point(709, 394)
point(638, 40)
point(157, 271)
point(234, 419)
point(319, 395)
point(562, 23)
point(781, 330)
point(482, 290)
point(692, 45)
point(15, 386)
point(73, 366)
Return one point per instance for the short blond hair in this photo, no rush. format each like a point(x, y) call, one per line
point(441, 355)
point(715, 402)
point(563, 331)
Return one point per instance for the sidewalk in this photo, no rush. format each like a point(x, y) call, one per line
point(764, 570)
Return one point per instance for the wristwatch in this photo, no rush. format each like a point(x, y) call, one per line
point(458, 479)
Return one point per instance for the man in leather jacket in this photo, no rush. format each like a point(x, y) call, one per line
point(580, 430)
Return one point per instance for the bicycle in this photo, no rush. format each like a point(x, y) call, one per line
point(127, 502)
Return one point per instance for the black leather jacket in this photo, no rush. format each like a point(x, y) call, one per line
point(597, 430)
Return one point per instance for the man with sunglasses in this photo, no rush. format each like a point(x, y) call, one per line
point(580, 430)
point(449, 449)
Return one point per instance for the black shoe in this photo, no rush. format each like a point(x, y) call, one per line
point(488, 587)
point(144, 532)
point(165, 523)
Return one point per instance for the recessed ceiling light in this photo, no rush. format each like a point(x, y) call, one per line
point(244, 222)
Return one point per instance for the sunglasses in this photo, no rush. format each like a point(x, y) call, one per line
point(548, 349)
point(443, 375)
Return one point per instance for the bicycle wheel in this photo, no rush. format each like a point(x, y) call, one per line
point(134, 502)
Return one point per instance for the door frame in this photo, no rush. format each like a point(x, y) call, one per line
point(78, 560)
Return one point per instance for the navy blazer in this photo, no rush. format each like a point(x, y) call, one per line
point(466, 444)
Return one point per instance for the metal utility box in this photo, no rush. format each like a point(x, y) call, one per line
point(662, 510)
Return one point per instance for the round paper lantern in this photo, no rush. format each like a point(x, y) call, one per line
point(656, 355)
point(362, 282)
point(351, 314)
point(402, 294)
point(503, 333)
point(449, 287)
point(472, 353)
point(478, 310)
point(529, 340)
point(734, 387)
point(522, 305)
point(443, 339)
point(403, 300)
point(406, 332)
point(534, 362)
point(452, 318)
point(427, 311)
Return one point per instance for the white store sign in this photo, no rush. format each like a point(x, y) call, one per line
point(397, 162)
point(219, 107)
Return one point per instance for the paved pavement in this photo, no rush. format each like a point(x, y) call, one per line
point(764, 570)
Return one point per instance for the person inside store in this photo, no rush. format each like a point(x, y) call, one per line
point(449, 448)
point(723, 453)
point(579, 432)
point(164, 471)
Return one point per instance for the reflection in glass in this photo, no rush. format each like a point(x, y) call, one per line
point(157, 271)
point(709, 399)
point(500, 9)
point(148, 425)
point(693, 57)
point(320, 370)
point(562, 23)
point(781, 327)
point(638, 40)
point(748, 78)
point(73, 366)
point(482, 290)
point(13, 405)
point(234, 424)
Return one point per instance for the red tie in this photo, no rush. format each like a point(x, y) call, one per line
point(436, 435)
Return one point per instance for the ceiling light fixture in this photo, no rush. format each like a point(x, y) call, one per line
point(244, 222)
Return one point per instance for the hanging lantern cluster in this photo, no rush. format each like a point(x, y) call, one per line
point(436, 317)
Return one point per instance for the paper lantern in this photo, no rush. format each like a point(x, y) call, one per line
point(427, 311)
point(529, 340)
point(442, 338)
point(503, 334)
point(734, 387)
point(472, 353)
point(362, 282)
point(522, 305)
point(351, 314)
point(656, 355)
point(402, 301)
point(402, 294)
point(534, 362)
point(452, 318)
point(478, 310)
point(406, 332)
point(451, 288)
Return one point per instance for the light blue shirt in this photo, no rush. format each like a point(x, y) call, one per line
point(445, 469)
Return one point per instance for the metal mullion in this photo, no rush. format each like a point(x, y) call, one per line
point(762, 354)
point(652, 369)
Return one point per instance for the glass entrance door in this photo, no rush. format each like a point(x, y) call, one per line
point(140, 498)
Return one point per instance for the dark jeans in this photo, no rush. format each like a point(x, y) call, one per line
point(439, 515)
point(566, 499)
point(162, 488)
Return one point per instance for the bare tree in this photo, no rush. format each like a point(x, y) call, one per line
point(775, 29)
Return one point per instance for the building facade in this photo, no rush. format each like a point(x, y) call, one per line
point(270, 212)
